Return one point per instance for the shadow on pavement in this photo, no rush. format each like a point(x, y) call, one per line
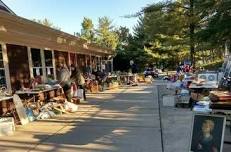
point(109, 122)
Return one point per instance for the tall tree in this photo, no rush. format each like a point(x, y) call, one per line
point(184, 19)
point(165, 33)
point(218, 22)
point(123, 34)
point(132, 48)
point(87, 31)
point(121, 60)
point(106, 35)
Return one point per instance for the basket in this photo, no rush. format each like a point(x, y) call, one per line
point(183, 99)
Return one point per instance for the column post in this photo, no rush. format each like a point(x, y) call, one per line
point(6, 67)
point(43, 65)
point(30, 62)
point(54, 64)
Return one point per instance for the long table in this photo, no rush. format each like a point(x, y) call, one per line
point(5, 98)
point(203, 86)
point(40, 95)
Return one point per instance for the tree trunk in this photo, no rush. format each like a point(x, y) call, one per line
point(213, 52)
point(192, 30)
point(203, 56)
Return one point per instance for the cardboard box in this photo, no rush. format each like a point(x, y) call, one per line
point(197, 96)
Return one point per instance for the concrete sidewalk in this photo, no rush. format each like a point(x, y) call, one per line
point(176, 125)
point(124, 120)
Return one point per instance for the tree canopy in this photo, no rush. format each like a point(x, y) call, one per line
point(184, 27)
point(87, 31)
point(167, 32)
point(104, 35)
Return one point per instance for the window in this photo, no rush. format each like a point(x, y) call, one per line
point(2, 70)
point(36, 62)
point(49, 64)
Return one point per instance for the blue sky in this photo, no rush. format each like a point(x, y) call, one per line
point(68, 14)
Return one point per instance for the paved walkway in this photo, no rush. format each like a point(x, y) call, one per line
point(123, 120)
point(176, 125)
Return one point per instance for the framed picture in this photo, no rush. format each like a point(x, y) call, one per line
point(207, 133)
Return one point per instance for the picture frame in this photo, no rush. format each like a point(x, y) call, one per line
point(207, 133)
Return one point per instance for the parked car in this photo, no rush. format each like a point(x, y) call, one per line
point(151, 72)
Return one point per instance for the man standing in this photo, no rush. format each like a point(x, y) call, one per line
point(63, 76)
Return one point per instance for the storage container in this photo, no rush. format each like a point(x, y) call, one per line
point(7, 126)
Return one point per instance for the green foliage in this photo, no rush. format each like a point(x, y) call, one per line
point(217, 29)
point(131, 47)
point(87, 31)
point(213, 65)
point(123, 36)
point(106, 36)
point(173, 29)
point(165, 33)
point(169, 32)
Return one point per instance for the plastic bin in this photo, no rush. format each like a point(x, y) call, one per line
point(7, 126)
point(183, 99)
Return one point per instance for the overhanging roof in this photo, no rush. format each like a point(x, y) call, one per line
point(5, 8)
point(20, 31)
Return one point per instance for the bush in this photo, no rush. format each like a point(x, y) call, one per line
point(213, 65)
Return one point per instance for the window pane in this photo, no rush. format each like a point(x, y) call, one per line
point(36, 58)
point(37, 72)
point(1, 64)
point(2, 73)
point(2, 78)
point(49, 71)
point(48, 57)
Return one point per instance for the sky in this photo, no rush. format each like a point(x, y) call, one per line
point(69, 14)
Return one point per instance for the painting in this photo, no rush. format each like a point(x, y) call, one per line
point(207, 133)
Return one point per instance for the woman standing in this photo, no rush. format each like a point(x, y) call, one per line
point(77, 77)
